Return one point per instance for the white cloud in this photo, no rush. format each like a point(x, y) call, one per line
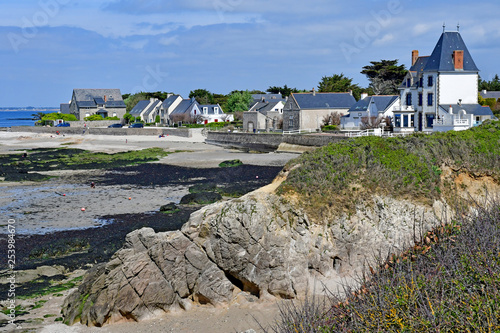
point(166, 41)
point(386, 39)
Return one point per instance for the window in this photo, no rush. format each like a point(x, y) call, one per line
point(205, 110)
point(360, 114)
point(429, 120)
point(430, 99)
point(216, 110)
point(290, 122)
point(397, 120)
point(405, 120)
point(408, 82)
point(412, 122)
point(421, 82)
point(408, 99)
point(430, 81)
point(420, 99)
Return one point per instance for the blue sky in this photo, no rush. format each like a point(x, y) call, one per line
point(49, 47)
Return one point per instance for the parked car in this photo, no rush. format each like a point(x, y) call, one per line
point(136, 125)
point(115, 126)
point(63, 125)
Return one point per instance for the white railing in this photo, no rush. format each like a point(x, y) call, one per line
point(368, 132)
point(298, 131)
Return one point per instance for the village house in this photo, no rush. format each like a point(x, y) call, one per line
point(167, 107)
point(440, 91)
point(212, 113)
point(147, 110)
point(370, 110)
point(306, 111)
point(186, 111)
point(265, 113)
point(104, 102)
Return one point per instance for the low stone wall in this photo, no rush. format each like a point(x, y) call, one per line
point(182, 132)
point(269, 141)
point(99, 123)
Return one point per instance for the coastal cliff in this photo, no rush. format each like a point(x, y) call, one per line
point(316, 223)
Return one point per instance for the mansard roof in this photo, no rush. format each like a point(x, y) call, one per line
point(441, 58)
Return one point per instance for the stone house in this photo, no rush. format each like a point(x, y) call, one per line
point(105, 102)
point(305, 111)
point(264, 115)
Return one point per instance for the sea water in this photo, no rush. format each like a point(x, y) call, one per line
point(18, 118)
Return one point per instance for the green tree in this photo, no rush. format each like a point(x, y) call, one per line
point(38, 116)
point(132, 100)
point(202, 96)
point(238, 101)
point(339, 83)
point(157, 118)
point(285, 90)
point(493, 85)
point(385, 76)
point(57, 115)
point(128, 117)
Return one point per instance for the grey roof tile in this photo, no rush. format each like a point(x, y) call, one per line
point(475, 109)
point(441, 58)
point(324, 100)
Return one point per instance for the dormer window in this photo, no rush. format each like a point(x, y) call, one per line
point(408, 82)
point(216, 110)
point(430, 81)
point(205, 110)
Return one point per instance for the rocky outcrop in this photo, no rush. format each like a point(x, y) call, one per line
point(261, 244)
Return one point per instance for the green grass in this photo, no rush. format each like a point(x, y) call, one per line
point(402, 167)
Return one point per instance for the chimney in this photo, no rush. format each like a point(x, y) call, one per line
point(105, 98)
point(364, 95)
point(414, 57)
point(458, 59)
point(350, 92)
point(450, 110)
point(314, 92)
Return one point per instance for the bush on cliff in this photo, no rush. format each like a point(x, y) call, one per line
point(340, 174)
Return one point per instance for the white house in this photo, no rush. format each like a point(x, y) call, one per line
point(212, 113)
point(368, 109)
point(168, 106)
point(147, 110)
point(448, 77)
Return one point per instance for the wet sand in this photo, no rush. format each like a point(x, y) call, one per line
point(56, 204)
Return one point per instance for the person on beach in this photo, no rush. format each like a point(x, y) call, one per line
point(92, 185)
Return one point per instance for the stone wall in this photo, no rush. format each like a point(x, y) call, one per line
point(182, 132)
point(269, 141)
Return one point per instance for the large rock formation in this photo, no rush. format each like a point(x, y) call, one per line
point(261, 243)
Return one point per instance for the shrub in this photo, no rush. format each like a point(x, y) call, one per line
point(329, 128)
point(94, 117)
point(57, 115)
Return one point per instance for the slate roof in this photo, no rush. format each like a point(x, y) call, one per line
point(324, 100)
point(64, 107)
point(382, 102)
point(211, 108)
point(184, 106)
point(490, 94)
point(475, 109)
point(441, 58)
point(166, 103)
point(151, 108)
point(139, 107)
point(92, 97)
point(267, 97)
point(264, 107)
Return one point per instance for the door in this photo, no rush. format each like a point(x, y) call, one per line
point(420, 121)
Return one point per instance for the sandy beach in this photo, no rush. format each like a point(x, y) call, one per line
point(57, 205)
